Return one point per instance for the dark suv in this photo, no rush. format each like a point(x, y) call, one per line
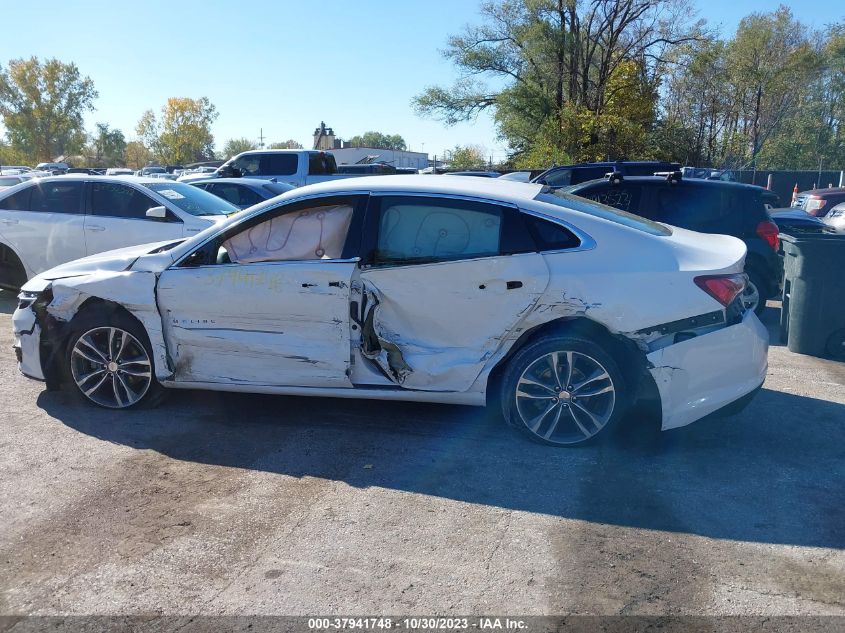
point(708, 206)
point(565, 175)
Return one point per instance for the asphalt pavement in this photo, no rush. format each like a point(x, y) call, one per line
point(242, 504)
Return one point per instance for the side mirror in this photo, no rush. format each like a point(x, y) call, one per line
point(226, 171)
point(157, 213)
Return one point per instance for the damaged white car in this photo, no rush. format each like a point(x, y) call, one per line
point(422, 288)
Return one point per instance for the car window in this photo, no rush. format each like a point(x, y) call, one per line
point(10, 181)
point(56, 197)
point(620, 196)
point(309, 233)
point(192, 200)
point(583, 174)
point(246, 165)
point(278, 164)
point(320, 164)
point(239, 195)
point(119, 201)
point(18, 201)
point(699, 208)
point(423, 229)
point(559, 178)
point(562, 199)
point(551, 236)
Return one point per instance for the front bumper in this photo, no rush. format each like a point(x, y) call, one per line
point(701, 375)
point(27, 343)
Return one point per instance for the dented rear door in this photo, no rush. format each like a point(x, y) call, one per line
point(438, 294)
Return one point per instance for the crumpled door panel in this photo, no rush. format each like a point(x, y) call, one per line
point(432, 327)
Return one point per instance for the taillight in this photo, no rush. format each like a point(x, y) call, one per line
point(723, 288)
point(814, 204)
point(768, 230)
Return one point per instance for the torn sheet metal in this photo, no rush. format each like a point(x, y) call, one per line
point(434, 327)
point(281, 323)
point(701, 375)
point(135, 291)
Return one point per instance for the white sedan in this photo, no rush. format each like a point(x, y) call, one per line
point(49, 221)
point(453, 290)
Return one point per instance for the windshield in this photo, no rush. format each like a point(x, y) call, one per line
point(561, 198)
point(191, 199)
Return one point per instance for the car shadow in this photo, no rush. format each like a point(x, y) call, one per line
point(771, 319)
point(8, 301)
point(771, 474)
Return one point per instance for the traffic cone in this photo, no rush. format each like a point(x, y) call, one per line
point(794, 194)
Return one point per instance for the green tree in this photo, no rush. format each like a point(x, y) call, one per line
point(137, 155)
point(182, 134)
point(546, 69)
point(105, 147)
point(765, 97)
point(289, 144)
point(235, 146)
point(378, 140)
point(43, 104)
point(769, 56)
point(467, 157)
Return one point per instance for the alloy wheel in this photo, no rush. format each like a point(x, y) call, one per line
point(111, 367)
point(565, 397)
point(750, 296)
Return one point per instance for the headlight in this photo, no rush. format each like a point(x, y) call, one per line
point(814, 204)
point(26, 298)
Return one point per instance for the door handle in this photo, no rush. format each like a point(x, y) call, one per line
point(8, 221)
point(513, 285)
point(95, 227)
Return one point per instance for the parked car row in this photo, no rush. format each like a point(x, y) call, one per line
point(49, 221)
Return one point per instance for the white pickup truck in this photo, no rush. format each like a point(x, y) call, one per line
point(296, 167)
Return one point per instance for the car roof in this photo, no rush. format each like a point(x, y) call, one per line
point(656, 180)
point(138, 180)
point(795, 214)
point(817, 192)
point(468, 186)
point(255, 182)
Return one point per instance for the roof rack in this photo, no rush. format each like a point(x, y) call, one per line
point(671, 176)
point(614, 177)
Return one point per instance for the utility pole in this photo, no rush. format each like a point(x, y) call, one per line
point(261, 137)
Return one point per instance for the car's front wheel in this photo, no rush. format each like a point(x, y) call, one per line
point(110, 364)
point(563, 390)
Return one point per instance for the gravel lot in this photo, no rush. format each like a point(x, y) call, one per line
point(230, 504)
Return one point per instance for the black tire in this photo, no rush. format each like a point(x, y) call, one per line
point(12, 273)
point(756, 280)
point(835, 347)
point(94, 321)
point(572, 426)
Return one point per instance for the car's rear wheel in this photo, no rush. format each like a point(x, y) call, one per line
point(563, 390)
point(753, 297)
point(110, 364)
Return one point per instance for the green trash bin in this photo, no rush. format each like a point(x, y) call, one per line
point(813, 310)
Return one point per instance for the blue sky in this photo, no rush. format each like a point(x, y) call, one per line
point(281, 65)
